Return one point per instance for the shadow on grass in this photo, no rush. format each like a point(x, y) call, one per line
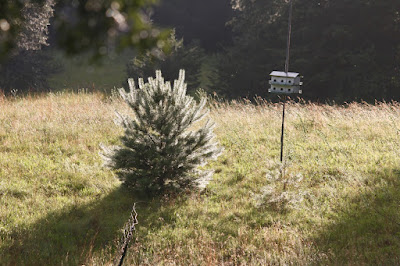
point(367, 229)
point(73, 235)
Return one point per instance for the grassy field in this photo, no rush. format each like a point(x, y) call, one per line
point(336, 203)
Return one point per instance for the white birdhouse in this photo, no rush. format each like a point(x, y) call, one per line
point(285, 82)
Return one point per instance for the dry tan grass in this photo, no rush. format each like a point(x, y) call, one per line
point(58, 205)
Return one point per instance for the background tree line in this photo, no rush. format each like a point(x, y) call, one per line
point(346, 50)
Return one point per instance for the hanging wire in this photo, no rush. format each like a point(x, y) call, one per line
point(286, 70)
point(289, 36)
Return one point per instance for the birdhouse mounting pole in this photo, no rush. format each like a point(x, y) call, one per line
point(289, 36)
point(283, 126)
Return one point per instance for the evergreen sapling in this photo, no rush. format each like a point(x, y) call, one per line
point(160, 150)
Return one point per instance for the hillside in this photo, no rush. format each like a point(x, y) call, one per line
point(337, 202)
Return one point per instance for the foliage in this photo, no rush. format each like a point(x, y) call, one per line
point(23, 25)
point(26, 68)
point(28, 71)
point(9, 10)
point(82, 26)
point(36, 19)
point(202, 21)
point(346, 50)
point(159, 152)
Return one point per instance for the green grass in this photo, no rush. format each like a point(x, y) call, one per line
point(337, 202)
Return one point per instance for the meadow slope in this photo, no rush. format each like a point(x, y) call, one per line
point(336, 203)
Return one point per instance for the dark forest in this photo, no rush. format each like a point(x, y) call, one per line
point(345, 50)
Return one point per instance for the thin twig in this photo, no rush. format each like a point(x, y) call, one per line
point(128, 234)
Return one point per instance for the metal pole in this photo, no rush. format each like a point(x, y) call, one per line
point(283, 126)
point(286, 70)
point(289, 36)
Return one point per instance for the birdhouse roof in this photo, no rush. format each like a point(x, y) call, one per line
point(284, 74)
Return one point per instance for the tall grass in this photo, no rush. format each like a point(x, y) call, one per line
point(337, 202)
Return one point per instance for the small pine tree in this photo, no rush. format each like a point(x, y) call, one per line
point(159, 151)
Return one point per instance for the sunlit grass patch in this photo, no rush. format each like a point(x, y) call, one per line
point(336, 203)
